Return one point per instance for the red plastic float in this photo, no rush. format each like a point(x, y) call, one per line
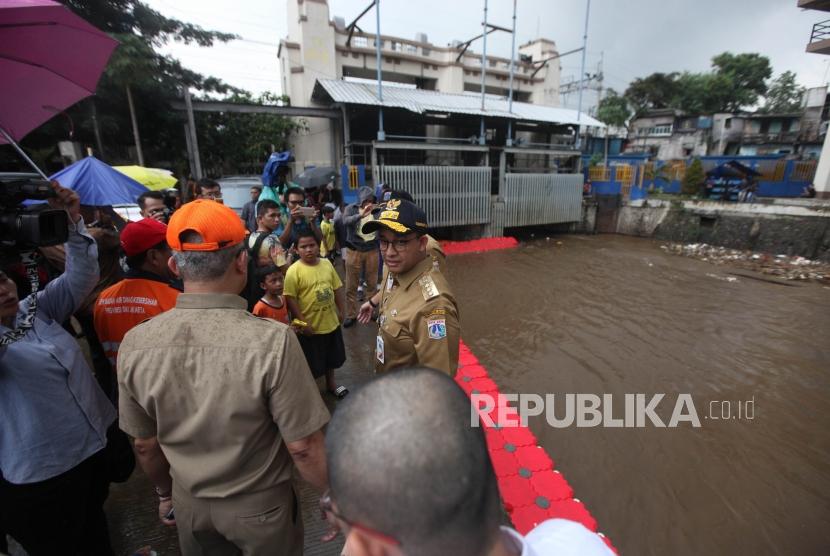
point(478, 245)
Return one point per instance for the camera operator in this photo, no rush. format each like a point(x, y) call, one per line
point(53, 414)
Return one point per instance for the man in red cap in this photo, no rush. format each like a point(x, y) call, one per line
point(146, 290)
point(221, 404)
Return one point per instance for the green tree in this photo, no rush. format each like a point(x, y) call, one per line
point(748, 74)
point(736, 81)
point(654, 91)
point(694, 178)
point(783, 94)
point(612, 110)
point(240, 143)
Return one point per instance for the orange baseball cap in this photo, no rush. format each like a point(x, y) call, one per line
point(218, 225)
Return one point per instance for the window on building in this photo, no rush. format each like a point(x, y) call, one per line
point(687, 151)
point(397, 46)
point(360, 42)
point(662, 129)
point(410, 49)
point(727, 123)
point(426, 51)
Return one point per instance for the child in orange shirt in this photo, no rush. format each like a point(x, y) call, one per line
point(272, 305)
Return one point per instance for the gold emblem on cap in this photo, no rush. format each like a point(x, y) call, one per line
point(389, 215)
point(392, 204)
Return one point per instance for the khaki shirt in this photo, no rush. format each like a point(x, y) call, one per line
point(418, 321)
point(222, 390)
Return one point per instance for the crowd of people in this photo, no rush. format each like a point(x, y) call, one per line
point(207, 348)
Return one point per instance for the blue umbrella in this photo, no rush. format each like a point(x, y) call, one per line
point(98, 184)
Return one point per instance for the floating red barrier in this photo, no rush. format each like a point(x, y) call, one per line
point(531, 490)
point(478, 245)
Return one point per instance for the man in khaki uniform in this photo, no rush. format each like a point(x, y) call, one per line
point(418, 317)
point(225, 397)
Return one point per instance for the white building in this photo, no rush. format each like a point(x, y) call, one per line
point(318, 48)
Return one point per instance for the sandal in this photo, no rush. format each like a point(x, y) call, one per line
point(340, 392)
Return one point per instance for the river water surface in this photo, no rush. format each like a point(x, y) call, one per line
point(616, 315)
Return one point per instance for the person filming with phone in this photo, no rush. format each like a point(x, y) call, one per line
point(300, 218)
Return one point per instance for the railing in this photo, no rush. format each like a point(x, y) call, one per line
point(450, 195)
point(535, 199)
point(771, 137)
point(804, 171)
point(599, 173)
point(821, 31)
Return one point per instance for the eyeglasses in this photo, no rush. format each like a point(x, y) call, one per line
point(327, 507)
point(213, 196)
point(398, 245)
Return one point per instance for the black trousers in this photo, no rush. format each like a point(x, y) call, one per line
point(61, 515)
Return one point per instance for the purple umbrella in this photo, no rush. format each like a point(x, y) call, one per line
point(49, 59)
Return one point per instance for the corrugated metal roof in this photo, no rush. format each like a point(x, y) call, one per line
point(421, 101)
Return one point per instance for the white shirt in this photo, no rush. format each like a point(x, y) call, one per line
point(556, 537)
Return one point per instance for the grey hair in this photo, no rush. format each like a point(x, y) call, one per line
point(204, 266)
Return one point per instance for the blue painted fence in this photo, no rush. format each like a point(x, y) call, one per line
point(789, 186)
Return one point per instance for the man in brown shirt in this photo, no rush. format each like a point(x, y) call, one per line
point(225, 397)
point(418, 317)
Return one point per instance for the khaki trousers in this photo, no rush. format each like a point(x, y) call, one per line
point(355, 262)
point(262, 523)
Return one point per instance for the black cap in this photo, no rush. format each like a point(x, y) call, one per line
point(399, 216)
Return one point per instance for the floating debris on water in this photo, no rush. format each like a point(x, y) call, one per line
point(782, 266)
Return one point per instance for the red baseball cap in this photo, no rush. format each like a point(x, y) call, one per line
point(138, 237)
point(217, 224)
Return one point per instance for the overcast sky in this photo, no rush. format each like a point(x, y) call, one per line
point(634, 37)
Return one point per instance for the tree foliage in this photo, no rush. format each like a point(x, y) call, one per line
point(736, 81)
point(783, 94)
point(694, 178)
point(613, 110)
point(240, 143)
point(657, 90)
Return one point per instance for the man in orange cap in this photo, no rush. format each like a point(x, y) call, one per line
point(145, 291)
point(221, 404)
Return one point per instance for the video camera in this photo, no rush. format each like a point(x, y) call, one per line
point(23, 227)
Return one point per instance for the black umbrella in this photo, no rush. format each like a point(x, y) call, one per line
point(316, 177)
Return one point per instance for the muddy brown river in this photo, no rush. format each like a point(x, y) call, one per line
point(615, 315)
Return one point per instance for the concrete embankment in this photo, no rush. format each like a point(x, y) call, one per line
point(790, 227)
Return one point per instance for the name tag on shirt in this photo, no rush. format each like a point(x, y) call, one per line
point(379, 350)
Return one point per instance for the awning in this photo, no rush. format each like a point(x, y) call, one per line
point(421, 101)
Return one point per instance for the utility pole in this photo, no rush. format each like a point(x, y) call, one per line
point(483, 72)
point(381, 132)
point(581, 76)
point(191, 128)
point(599, 81)
point(135, 127)
point(96, 128)
point(509, 142)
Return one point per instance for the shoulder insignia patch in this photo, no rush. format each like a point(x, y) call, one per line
point(428, 287)
point(437, 328)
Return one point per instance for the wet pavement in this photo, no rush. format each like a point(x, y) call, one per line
point(617, 315)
